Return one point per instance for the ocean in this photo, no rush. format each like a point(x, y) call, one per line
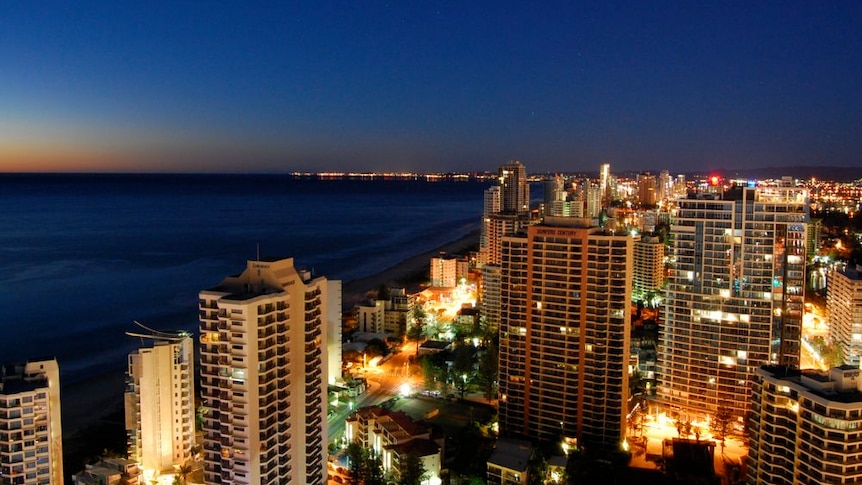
point(83, 256)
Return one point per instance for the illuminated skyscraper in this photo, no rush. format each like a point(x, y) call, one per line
point(647, 189)
point(803, 426)
point(263, 375)
point(564, 333)
point(735, 294)
point(648, 274)
point(844, 305)
point(605, 184)
point(514, 190)
point(160, 402)
point(31, 440)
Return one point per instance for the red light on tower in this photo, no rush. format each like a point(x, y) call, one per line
point(714, 180)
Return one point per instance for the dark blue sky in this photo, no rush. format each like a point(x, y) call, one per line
point(429, 86)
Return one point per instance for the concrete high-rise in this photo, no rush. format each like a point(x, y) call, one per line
point(605, 184)
point(844, 306)
point(735, 294)
point(263, 375)
point(804, 426)
point(647, 191)
point(564, 333)
point(514, 189)
point(648, 274)
point(31, 441)
point(160, 402)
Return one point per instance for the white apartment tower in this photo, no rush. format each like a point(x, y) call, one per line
point(491, 207)
point(804, 426)
point(263, 376)
point(160, 401)
point(605, 184)
point(735, 295)
point(31, 441)
point(565, 333)
point(844, 305)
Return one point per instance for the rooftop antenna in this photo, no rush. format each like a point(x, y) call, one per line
point(258, 252)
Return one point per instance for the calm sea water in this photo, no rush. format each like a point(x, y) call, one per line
point(82, 256)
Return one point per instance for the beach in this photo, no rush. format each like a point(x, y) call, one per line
point(93, 408)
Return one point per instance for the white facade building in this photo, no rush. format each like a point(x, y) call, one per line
point(263, 376)
point(735, 295)
point(31, 441)
point(844, 306)
point(804, 426)
point(159, 402)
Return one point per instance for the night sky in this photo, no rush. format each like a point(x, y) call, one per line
point(428, 86)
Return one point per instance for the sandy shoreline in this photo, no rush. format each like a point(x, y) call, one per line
point(398, 275)
point(91, 402)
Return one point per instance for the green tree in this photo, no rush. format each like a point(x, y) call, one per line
point(376, 347)
point(356, 456)
point(417, 330)
point(719, 425)
point(489, 366)
point(364, 468)
point(412, 470)
point(462, 366)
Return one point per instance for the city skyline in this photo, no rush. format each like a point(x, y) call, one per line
point(414, 87)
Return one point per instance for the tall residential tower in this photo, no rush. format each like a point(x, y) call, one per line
point(734, 296)
point(160, 401)
point(263, 376)
point(31, 441)
point(564, 333)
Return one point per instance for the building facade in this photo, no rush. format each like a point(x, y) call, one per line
point(160, 402)
point(565, 333)
point(734, 296)
point(804, 426)
point(514, 189)
point(648, 275)
point(31, 439)
point(844, 306)
point(447, 270)
point(263, 376)
point(392, 435)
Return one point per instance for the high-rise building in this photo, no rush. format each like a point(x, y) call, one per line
point(605, 184)
point(31, 441)
point(804, 426)
point(447, 270)
point(263, 375)
point(564, 333)
point(844, 306)
point(514, 189)
point(665, 185)
point(491, 206)
point(647, 191)
point(160, 401)
point(555, 193)
point(735, 294)
point(489, 291)
point(648, 274)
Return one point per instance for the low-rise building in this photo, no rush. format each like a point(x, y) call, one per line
point(509, 463)
point(109, 471)
point(393, 435)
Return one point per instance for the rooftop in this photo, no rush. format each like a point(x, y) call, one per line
point(511, 454)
